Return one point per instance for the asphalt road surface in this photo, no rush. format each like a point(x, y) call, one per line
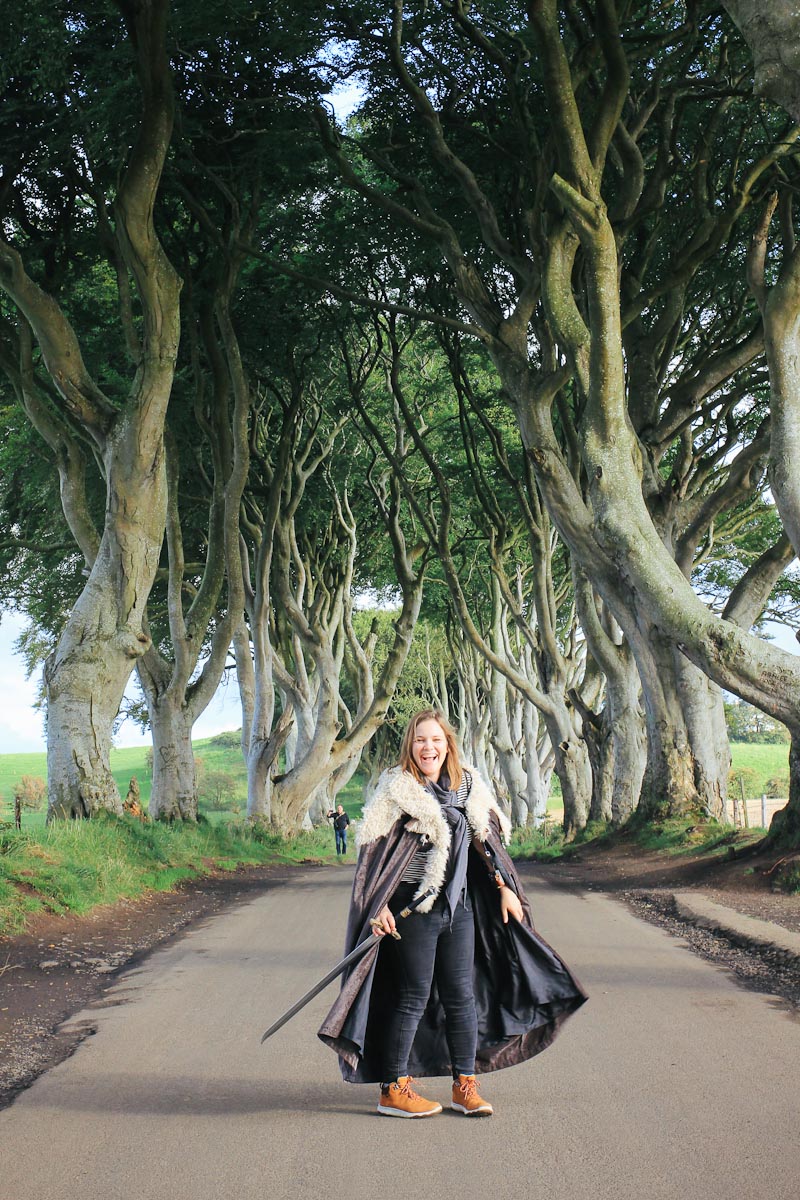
point(672, 1083)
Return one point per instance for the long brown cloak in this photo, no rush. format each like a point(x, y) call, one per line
point(523, 991)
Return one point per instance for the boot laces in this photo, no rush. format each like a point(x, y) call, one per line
point(468, 1085)
point(407, 1090)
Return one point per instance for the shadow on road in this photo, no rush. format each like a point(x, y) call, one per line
point(186, 1096)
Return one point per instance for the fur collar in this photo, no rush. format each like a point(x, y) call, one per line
point(398, 794)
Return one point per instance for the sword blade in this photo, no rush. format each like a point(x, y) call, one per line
point(354, 955)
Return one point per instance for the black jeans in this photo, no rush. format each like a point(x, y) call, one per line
point(430, 949)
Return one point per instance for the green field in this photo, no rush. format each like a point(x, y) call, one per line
point(759, 764)
point(221, 753)
point(124, 763)
point(214, 755)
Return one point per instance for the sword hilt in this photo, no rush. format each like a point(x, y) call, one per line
point(392, 932)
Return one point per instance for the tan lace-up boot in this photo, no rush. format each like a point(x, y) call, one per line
point(467, 1100)
point(400, 1100)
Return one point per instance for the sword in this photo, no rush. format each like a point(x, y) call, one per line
point(354, 955)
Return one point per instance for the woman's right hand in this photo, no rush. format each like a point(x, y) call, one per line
point(384, 922)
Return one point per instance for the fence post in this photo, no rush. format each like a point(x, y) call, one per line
point(745, 813)
point(763, 810)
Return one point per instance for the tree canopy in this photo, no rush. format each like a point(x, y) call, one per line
point(511, 345)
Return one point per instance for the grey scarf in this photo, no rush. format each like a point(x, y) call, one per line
point(456, 876)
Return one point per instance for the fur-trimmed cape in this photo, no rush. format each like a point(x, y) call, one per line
point(523, 990)
point(399, 795)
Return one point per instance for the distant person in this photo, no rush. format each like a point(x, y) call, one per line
point(340, 823)
point(470, 986)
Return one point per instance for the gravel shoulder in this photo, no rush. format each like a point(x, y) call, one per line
point(670, 890)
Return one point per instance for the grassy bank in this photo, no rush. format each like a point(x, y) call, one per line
point(690, 841)
point(681, 838)
point(73, 866)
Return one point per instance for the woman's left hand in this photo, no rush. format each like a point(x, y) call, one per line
point(510, 905)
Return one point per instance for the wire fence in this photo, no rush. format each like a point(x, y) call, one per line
point(754, 813)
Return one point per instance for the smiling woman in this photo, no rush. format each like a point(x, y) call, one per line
point(467, 985)
point(428, 744)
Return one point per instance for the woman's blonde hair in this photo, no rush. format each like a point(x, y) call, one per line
point(452, 762)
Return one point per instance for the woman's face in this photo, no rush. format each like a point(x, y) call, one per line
point(429, 748)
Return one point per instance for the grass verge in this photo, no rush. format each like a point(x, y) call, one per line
point(674, 837)
point(74, 866)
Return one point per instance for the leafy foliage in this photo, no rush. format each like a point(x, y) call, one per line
point(746, 724)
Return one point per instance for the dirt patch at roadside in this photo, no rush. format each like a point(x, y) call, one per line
point(746, 884)
point(63, 964)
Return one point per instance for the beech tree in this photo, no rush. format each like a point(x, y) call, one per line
point(86, 674)
point(558, 136)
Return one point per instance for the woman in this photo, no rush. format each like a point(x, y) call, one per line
point(469, 986)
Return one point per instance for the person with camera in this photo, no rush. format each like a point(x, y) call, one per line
point(340, 822)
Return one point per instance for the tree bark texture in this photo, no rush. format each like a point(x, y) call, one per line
point(772, 31)
point(538, 762)
point(621, 724)
point(781, 312)
point(701, 701)
point(246, 679)
point(174, 772)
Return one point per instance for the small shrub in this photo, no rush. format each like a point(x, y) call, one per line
point(789, 879)
point(230, 740)
point(739, 777)
point(30, 792)
point(777, 785)
point(544, 842)
point(217, 790)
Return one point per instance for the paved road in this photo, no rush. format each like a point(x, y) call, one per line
point(671, 1084)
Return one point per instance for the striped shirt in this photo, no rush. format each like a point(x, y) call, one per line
point(415, 871)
